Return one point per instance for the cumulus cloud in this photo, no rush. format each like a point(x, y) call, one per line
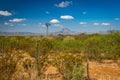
point(117, 19)
point(8, 24)
point(43, 25)
point(64, 4)
point(105, 24)
point(23, 24)
point(67, 17)
point(47, 12)
point(96, 24)
point(5, 13)
point(58, 25)
point(82, 23)
point(54, 21)
point(39, 23)
point(17, 20)
point(84, 12)
point(102, 24)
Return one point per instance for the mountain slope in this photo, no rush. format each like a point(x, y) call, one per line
point(65, 31)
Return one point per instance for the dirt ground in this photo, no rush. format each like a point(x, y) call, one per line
point(107, 70)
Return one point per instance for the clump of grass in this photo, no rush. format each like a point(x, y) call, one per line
point(7, 67)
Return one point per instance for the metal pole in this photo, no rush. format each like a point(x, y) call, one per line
point(47, 31)
point(47, 25)
point(37, 60)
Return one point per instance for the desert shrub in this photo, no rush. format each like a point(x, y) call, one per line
point(42, 63)
point(15, 43)
point(7, 67)
point(59, 37)
point(27, 64)
point(82, 36)
point(93, 47)
point(65, 64)
point(111, 46)
point(45, 46)
point(73, 46)
point(107, 44)
point(77, 73)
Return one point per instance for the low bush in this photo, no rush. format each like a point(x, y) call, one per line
point(7, 67)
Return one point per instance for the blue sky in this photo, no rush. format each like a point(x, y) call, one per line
point(77, 15)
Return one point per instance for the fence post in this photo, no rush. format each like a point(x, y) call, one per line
point(37, 60)
point(87, 65)
point(88, 76)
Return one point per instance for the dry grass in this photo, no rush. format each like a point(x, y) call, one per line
point(23, 73)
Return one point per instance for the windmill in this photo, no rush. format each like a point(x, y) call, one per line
point(47, 26)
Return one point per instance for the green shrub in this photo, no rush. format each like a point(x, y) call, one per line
point(27, 64)
point(65, 64)
point(45, 46)
point(77, 73)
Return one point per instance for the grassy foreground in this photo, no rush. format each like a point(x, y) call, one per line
point(66, 52)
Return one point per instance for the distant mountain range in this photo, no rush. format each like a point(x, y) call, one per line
point(64, 31)
point(18, 34)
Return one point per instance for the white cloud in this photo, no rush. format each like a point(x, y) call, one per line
point(54, 21)
point(67, 17)
point(5, 13)
point(64, 4)
point(39, 23)
point(105, 24)
point(96, 24)
point(84, 12)
point(23, 24)
point(58, 25)
point(82, 23)
point(8, 24)
point(43, 25)
point(47, 12)
point(17, 20)
point(117, 19)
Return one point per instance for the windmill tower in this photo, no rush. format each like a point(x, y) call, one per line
point(47, 26)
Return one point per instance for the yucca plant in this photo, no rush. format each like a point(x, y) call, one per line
point(77, 73)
